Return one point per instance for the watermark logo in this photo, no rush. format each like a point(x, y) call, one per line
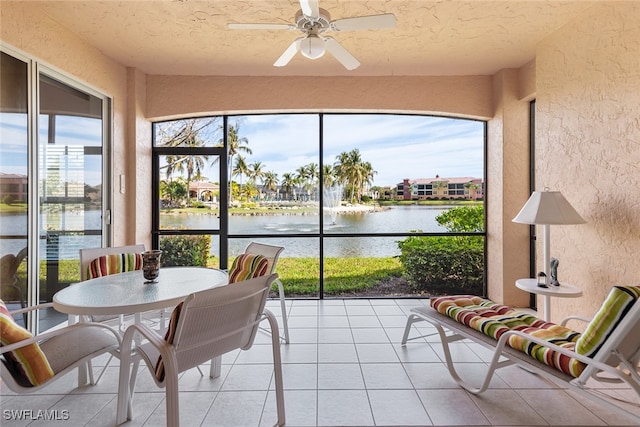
point(35, 415)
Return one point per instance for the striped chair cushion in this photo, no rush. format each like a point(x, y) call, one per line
point(168, 336)
point(493, 320)
point(248, 266)
point(614, 308)
point(28, 362)
point(114, 263)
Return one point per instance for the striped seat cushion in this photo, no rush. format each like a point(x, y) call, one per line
point(493, 320)
point(248, 266)
point(28, 365)
point(114, 263)
point(618, 302)
point(168, 337)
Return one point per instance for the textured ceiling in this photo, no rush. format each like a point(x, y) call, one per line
point(431, 37)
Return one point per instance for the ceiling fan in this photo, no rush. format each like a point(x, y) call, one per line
point(313, 22)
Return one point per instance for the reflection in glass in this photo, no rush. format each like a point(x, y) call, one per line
point(70, 180)
point(14, 182)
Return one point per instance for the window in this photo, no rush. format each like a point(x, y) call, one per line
point(338, 191)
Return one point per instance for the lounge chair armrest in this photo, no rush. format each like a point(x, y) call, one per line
point(56, 332)
point(581, 357)
point(580, 318)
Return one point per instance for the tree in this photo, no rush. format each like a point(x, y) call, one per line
point(184, 133)
point(235, 145)
point(174, 190)
point(313, 173)
point(463, 219)
point(354, 173)
point(270, 181)
point(301, 177)
point(240, 169)
point(288, 183)
point(328, 176)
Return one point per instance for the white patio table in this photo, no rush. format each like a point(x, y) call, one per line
point(129, 293)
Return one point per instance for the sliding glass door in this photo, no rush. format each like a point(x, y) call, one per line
point(53, 180)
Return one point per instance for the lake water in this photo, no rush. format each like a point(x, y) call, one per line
point(397, 219)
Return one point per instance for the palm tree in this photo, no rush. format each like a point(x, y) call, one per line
point(240, 169)
point(313, 173)
point(471, 189)
point(270, 181)
point(288, 183)
point(367, 174)
point(235, 145)
point(255, 172)
point(302, 177)
point(328, 176)
point(348, 168)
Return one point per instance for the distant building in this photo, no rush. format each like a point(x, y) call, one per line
point(14, 185)
point(440, 188)
point(204, 191)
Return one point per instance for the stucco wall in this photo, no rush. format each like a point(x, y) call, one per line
point(24, 28)
point(588, 147)
point(460, 96)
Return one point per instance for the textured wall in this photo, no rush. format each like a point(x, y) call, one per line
point(508, 189)
point(460, 96)
point(588, 147)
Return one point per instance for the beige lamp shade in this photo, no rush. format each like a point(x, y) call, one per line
point(548, 207)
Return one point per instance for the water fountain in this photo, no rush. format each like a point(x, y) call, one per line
point(332, 197)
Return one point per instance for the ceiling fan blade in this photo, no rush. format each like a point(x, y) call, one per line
point(341, 54)
point(310, 8)
point(372, 22)
point(261, 26)
point(288, 54)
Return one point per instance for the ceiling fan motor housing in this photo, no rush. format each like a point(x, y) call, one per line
point(313, 25)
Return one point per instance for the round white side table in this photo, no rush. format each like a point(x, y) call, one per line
point(562, 291)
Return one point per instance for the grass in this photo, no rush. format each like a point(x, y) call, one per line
point(300, 276)
point(13, 208)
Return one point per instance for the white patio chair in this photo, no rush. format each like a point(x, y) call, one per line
point(88, 256)
point(272, 254)
point(64, 349)
point(206, 325)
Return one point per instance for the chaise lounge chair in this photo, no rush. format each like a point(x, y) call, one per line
point(608, 350)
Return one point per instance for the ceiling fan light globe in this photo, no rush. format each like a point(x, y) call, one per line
point(312, 47)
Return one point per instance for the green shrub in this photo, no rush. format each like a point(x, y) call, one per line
point(441, 264)
point(185, 250)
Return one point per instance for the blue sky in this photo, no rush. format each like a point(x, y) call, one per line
point(396, 146)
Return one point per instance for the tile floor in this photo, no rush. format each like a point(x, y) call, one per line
point(344, 367)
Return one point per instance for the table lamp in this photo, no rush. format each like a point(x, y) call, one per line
point(546, 208)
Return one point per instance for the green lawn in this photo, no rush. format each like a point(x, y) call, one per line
point(300, 276)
